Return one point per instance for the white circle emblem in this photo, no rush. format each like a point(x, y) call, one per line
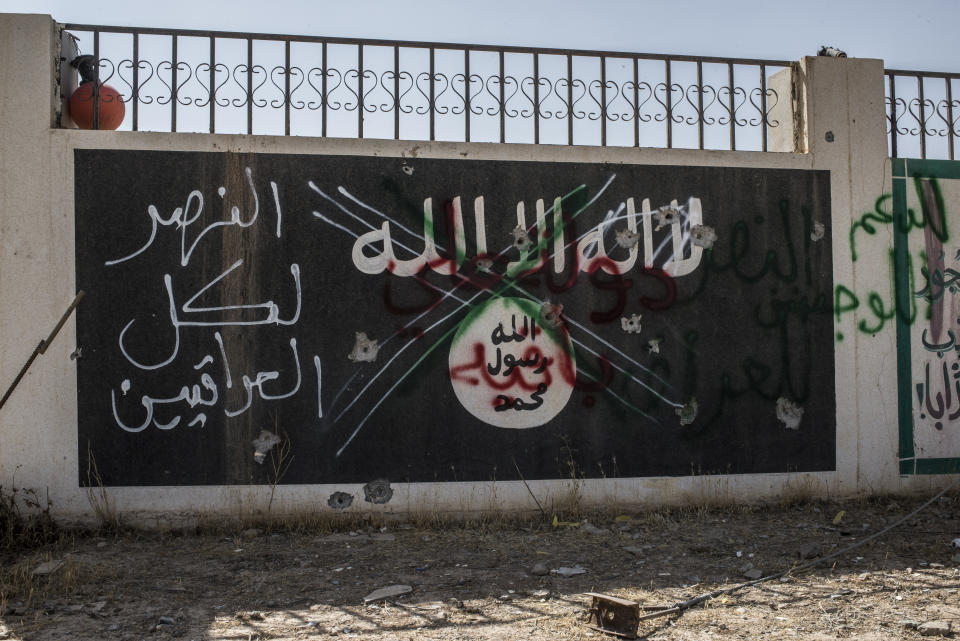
point(510, 366)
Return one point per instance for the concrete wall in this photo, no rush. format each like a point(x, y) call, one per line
point(842, 131)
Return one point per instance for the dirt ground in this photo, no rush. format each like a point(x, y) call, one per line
point(487, 581)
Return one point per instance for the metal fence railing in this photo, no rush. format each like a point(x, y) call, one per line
point(223, 82)
point(922, 114)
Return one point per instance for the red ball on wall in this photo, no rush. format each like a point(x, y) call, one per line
point(112, 109)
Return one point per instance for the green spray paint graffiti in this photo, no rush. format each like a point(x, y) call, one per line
point(929, 441)
point(933, 218)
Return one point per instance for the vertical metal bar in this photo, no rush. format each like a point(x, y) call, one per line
point(213, 84)
point(569, 99)
point(603, 101)
point(360, 90)
point(669, 102)
point(396, 93)
point(136, 81)
point(323, 90)
point(96, 81)
point(636, 102)
point(700, 113)
point(286, 88)
point(733, 106)
point(433, 106)
point(536, 98)
point(763, 106)
point(949, 114)
point(249, 85)
point(466, 94)
point(893, 116)
point(923, 118)
point(173, 84)
point(503, 106)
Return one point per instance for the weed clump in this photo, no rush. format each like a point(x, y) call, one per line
point(25, 520)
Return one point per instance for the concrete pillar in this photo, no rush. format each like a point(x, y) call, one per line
point(841, 125)
point(36, 260)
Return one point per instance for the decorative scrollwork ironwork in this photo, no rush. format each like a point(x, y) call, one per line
point(921, 106)
point(419, 93)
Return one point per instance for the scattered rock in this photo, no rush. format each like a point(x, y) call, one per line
point(387, 592)
point(593, 529)
point(540, 569)
point(47, 567)
point(383, 537)
point(809, 551)
point(251, 533)
point(94, 608)
point(935, 629)
point(568, 572)
point(634, 550)
point(754, 573)
point(167, 621)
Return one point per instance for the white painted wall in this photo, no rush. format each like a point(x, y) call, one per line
point(38, 431)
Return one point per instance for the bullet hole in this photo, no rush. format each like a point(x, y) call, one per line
point(484, 264)
point(818, 231)
point(263, 444)
point(378, 491)
point(521, 240)
point(551, 314)
point(828, 136)
point(340, 500)
point(407, 169)
point(631, 325)
point(364, 350)
point(653, 345)
point(627, 238)
point(703, 236)
point(77, 353)
point(789, 413)
point(687, 413)
point(666, 215)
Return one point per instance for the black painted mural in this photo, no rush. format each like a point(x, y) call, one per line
point(316, 319)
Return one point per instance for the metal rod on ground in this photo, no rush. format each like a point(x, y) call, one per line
point(42, 347)
point(532, 495)
point(678, 608)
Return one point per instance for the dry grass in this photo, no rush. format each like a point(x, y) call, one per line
point(25, 520)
